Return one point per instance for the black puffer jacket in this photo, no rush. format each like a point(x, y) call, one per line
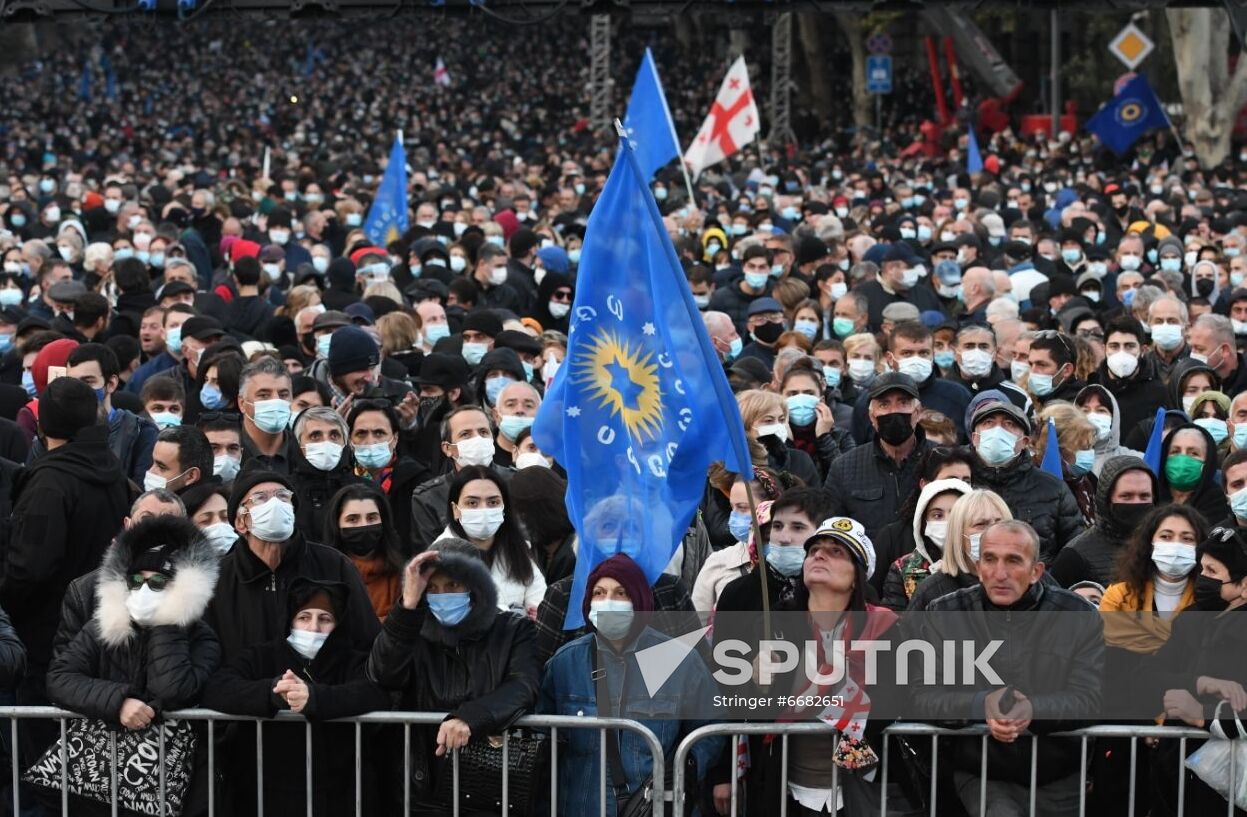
point(1093, 554)
point(483, 671)
point(1139, 395)
point(166, 664)
point(1035, 497)
point(338, 688)
point(1062, 666)
point(69, 504)
point(250, 603)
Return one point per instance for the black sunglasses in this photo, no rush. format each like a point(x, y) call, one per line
point(156, 581)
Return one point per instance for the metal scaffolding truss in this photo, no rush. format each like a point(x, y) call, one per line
point(600, 72)
point(781, 81)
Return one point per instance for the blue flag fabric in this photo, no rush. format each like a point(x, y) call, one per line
point(640, 406)
point(648, 121)
point(387, 218)
point(84, 84)
point(1134, 111)
point(1152, 455)
point(974, 159)
point(110, 78)
point(1052, 453)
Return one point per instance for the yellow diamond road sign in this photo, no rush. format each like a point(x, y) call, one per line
point(1131, 46)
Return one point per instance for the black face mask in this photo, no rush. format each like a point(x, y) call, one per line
point(363, 540)
point(1128, 515)
point(1204, 287)
point(768, 332)
point(896, 428)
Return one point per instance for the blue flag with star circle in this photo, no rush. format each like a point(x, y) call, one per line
point(1133, 111)
point(640, 406)
point(387, 218)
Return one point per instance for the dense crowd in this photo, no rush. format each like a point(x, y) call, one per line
point(253, 461)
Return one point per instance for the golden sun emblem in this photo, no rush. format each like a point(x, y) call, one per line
point(623, 379)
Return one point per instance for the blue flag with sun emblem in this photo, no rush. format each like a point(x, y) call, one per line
point(1132, 112)
point(387, 218)
point(640, 406)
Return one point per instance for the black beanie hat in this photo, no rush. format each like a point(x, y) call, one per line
point(249, 480)
point(1228, 546)
point(484, 321)
point(66, 407)
point(351, 349)
point(523, 242)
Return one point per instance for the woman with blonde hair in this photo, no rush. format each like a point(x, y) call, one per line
point(298, 299)
point(957, 567)
point(1076, 440)
point(864, 358)
point(766, 421)
point(400, 339)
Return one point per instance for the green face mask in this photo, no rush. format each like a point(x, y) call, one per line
point(1183, 472)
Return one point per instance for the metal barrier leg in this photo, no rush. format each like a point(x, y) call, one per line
point(1034, 790)
point(783, 782)
point(64, 772)
point(359, 769)
point(406, 769)
point(307, 769)
point(983, 778)
point(17, 807)
point(1134, 759)
point(506, 757)
point(883, 790)
point(935, 769)
point(1082, 783)
point(163, 783)
point(602, 784)
point(259, 768)
point(455, 780)
point(211, 768)
point(112, 746)
point(736, 775)
point(554, 770)
point(1181, 777)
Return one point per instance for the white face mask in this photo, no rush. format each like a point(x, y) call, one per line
point(221, 536)
point(1122, 364)
point(1173, 559)
point(976, 362)
point(498, 276)
point(306, 643)
point(531, 459)
point(272, 522)
point(226, 467)
point(475, 451)
point(919, 368)
point(142, 605)
point(323, 456)
point(937, 532)
point(773, 430)
point(861, 370)
point(559, 311)
point(481, 523)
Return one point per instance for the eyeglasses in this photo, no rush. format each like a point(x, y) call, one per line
point(255, 500)
point(156, 581)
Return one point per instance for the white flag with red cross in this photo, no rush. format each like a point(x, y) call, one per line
point(732, 123)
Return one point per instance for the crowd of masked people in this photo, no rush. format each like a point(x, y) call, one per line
point(254, 461)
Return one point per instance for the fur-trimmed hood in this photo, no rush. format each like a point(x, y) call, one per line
point(461, 560)
point(183, 602)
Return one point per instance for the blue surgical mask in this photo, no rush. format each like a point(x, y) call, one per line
point(1240, 435)
point(1041, 384)
point(449, 608)
point(756, 280)
point(1171, 264)
point(945, 358)
point(739, 524)
point(100, 394)
point(210, 397)
point(801, 409)
point(433, 332)
point(1214, 426)
point(11, 297)
point(996, 446)
point(372, 456)
point(28, 382)
point(1238, 503)
point(173, 339)
point(494, 387)
point(737, 345)
point(787, 559)
point(511, 426)
point(166, 419)
point(473, 352)
point(612, 618)
point(322, 346)
point(1072, 256)
point(528, 371)
point(271, 416)
point(1084, 460)
point(832, 375)
point(6, 342)
point(807, 327)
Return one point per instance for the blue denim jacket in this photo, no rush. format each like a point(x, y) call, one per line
point(568, 689)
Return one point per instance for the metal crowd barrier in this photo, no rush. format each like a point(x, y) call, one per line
point(784, 730)
point(551, 723)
